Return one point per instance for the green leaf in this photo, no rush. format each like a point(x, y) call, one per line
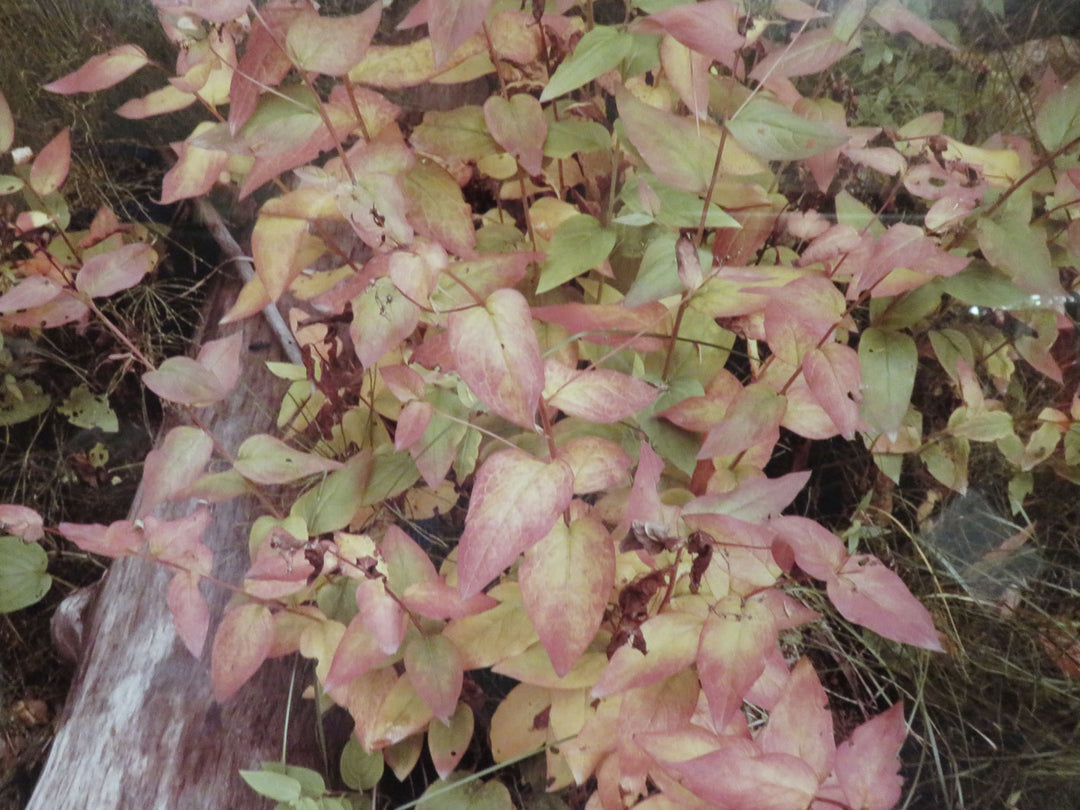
point(21, 400)
point(266, 460)
point(1058, 120)
point(10, 184)
point(462, 792)
point(86, 410)
point(459, 134)
point(311, 782)
point(272, 785)
point(678, 209)
point(391, 474)
point(579, 244)
point(23, 580)
point(772, 131)
point(359, 769)
point(331, 504)
point(888, 361)
point(1020, 250)
point(566, 138)
point(599, 51)
point(947, 461)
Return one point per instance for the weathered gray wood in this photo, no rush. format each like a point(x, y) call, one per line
point(141, 729)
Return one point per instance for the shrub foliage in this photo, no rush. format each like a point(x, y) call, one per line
point(583, 312)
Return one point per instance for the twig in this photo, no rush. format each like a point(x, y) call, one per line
point(220, 231)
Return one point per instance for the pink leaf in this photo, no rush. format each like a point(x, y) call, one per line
point(753, 499)
point(833, 375)
point(30, 293)
point(818, 552)
point(101, 71)
point(907, 247)
point(515, 501)
point(191, 615)
point(176, 464)
point(731, 655)
point(612, 324)
point(222, 357)
point(382, 319)
point(566, 579)
point(382, 615)
point(497, 354)
point(598, 464)
point(450, 22)
point(868, 765)
point(433, 666)
point(894, 18)
point(435, 599)
point(752, 418)
point(597, 394)
point(519, 127)
point(738, 776)
point(331, 45)
point(358, 651)
point(50, 167)
point(675, 148)
point(185, 381)
point(242, 642)
point(108, 273)
point(115, 540)
point(180, 541)
point(21, 521)
point(811, 52)
point(867, 593)
point(800, 724)
point(710, 28)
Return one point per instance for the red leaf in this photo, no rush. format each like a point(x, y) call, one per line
point(800, 724)
point(497, 354)
point(242, 643)
point(264, 64)
point(868, 765)
point(515, 501)
point(566, 579)
point(30, 293)
point(435, 599)
point(519, 127)
point(907, 247)
point(433, 666)
point(108, 273)
point(867, 593)
point(50, 167)
point(731, 655)
point(101, 71)
point(191, 615)
point(800, 314)
point(597, 394)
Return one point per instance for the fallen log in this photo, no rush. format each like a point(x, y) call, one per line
point(141, 728)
